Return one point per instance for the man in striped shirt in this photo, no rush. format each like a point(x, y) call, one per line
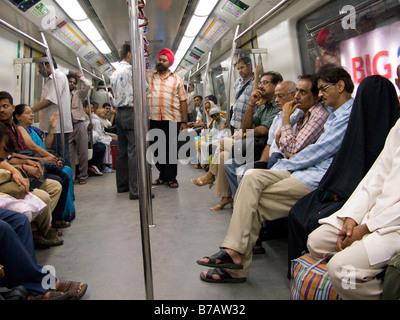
point(309, 128)
point(269, 194)
point(168, 112)
point(244, 86)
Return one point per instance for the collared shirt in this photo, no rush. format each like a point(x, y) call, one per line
point(49, 93)
point(276, 124)
point(17, 136)
point(77, 97)
point(265, 114)
point(306, 131)
point(240, 106)
point(165, 97)
point(121, 83)
point(310, 164)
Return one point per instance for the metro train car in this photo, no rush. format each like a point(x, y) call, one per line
point(145, 247)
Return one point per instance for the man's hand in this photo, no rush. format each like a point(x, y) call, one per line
point(350, 233)
point(184, 126)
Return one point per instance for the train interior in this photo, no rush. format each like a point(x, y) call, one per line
point(104, 245)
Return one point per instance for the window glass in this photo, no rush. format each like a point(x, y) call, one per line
point(361, 36)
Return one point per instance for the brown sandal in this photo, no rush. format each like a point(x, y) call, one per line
point(72, 288)
point(53, 295)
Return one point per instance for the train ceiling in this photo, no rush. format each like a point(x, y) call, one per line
point(168, 20)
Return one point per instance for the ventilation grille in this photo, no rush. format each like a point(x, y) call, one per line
point(190, 9)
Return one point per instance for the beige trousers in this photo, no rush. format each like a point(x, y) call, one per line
point(262, 195)
point(350, 272)
point(222, 154)
point(49, 192)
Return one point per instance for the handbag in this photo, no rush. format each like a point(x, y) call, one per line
point(10, 187)
point(391, 282)
point(310, 280)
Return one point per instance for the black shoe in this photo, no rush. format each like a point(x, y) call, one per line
point(41, 243)
point(137, 197)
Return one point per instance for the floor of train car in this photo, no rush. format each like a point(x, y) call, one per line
point(103, 245)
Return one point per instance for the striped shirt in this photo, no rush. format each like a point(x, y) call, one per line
point(310, 165)
point(306, 131)
point(165, 97)
point(240, 106)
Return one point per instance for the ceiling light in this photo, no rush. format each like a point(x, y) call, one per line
point(185, 44)
point(205, 7)
point(195, 25)
point(102, 46)
point(89, 29)
point(73, 9)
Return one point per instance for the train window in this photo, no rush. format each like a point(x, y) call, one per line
point(362, 36)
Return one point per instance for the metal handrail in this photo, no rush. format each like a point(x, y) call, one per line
point(281, 5)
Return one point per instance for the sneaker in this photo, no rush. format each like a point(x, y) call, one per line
point(95, 171)
point(108, 170)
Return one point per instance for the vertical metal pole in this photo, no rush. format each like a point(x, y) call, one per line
point(228, 92)
point(58, 94)
point(89, 108)
point(140, 110)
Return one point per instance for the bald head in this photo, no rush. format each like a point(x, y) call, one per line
point(284, 92)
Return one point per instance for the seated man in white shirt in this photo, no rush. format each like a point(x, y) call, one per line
point(95, 128)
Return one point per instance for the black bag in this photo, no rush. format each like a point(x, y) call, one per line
point(259, 145)
point(17, 293)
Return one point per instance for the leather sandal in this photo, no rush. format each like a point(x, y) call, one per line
point(225, 261)
point(224, 277)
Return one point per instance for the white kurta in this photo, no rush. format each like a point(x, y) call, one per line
point(376, 203)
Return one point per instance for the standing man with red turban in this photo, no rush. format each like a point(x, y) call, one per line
point(330, 53)
point(168, 112)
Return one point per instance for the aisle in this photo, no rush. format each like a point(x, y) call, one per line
point(103, 246)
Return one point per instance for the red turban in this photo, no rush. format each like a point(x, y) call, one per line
point(322, 36)
point(169, 54)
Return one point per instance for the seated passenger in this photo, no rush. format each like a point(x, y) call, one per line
point(307, 130)
point(375, 112)
point(260, 122)
point(43, 234)
point(23, 117)
point(19, 266)
point(99, 141)
point(269, 194)
point(201, 120)
point(211, 137)
point(365, 233)
point(26, 149)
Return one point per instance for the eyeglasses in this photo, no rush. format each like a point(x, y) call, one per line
point(323, 88)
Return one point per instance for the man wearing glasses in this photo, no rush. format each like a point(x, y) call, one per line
point(269, 194)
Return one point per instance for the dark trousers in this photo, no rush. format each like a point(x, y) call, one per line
point(17, 253)
point(168, 167)
point(54, 172)
point(99, 150)
point(57, 147)
point(126, 159)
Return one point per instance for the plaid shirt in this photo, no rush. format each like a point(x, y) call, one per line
point(310, 165)
point(306, 131)
point(240, 106)
point(165, 97)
